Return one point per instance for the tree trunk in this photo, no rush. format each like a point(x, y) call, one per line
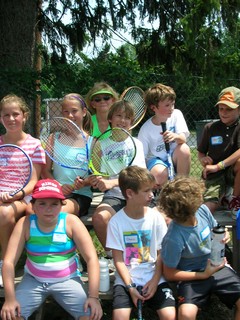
point(17, 33)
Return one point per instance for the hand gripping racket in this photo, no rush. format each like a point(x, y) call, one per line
point(112, 151)
point(139, 304)
point(135, 95)
point(15, 169)
point(65, 143)
point(171, 173)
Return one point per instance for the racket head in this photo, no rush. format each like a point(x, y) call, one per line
point(15, 168)
point(135, 95)
point(111, 152)
point(65, 143)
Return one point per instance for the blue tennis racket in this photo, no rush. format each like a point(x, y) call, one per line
point(65, 143)
point(15, 169)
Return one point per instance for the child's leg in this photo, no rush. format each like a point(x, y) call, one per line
point(100, 220)
point(121, 314)
point(237, 310)
point(107, 208)
point(187, 311)
point(160, 173)
point(182, 159)
point(163, 302)
point(168, 313)
point(122, 303)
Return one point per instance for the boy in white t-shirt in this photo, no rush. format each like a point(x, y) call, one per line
point(160, 99)
point(135, 235)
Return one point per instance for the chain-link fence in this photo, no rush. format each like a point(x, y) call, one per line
point(194, 99)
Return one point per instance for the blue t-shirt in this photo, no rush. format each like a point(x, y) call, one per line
point(188, 248)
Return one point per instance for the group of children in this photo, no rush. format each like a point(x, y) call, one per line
point(146, 251)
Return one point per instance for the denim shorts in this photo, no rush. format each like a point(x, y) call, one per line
point(154, 161)
point(69, 294)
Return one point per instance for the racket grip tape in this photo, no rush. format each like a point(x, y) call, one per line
point(164, 128)
point(139, 304)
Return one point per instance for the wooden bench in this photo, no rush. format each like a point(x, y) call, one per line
point(222, 216)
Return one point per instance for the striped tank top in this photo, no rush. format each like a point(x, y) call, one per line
point(51, 257)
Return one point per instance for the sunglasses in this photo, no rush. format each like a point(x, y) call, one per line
point(102, 99)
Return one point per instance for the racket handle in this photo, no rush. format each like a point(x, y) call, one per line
point(139, 304)
point(164, 128)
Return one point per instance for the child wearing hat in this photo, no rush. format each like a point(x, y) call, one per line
point(51, 238)
point(218, 154)
point(99, 100)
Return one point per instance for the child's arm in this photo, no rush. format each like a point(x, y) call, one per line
point(101, 183)
point(14, 251)
point(80, 235)
point(223, 164)
point(174, 274)
point(124, 274)
point(150, 287)
point(170, 136)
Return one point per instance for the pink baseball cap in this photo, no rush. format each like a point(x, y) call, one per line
point(47, 188)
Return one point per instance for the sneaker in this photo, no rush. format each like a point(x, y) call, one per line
point(234, 206)
point(1, 280)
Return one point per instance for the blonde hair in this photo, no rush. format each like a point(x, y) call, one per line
point(134, 178)
point(98, 86)
point(87, 121)
point(13, 98)
point(158, 92)
point(179, 199)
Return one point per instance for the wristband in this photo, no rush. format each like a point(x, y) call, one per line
point(23, 195)
point(221, 165)
point(131, 285)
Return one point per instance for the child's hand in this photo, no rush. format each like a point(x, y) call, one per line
point(169, 136)
point(210, 269)
point(10, 310)
point(135, 295)
point(226, 238)
point(67, 189)
point(100, 183)
point(79, 183)
point(5, 197)
point(206, 161)
point(210, 168)
point(95, 306)
point(149, 289)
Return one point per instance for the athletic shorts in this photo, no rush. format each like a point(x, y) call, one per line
point(84, 203)
point(69, 294)
point(116, 203)
point(225, 283)
point(162, 298)
point(154, 161)
point(217, 186)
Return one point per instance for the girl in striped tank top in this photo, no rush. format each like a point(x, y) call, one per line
point(14, 113)
point(51, 238)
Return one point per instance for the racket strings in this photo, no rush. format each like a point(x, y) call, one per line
point(15, 169)
point(65, 143)
point(113, 153)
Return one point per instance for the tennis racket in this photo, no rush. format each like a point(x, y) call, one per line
point(111, 152)
point(65, 143)
point(15, 169)
point(139, 304)
point(171, 173)
point(135, 95)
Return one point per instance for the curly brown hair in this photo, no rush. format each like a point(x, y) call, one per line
point(179, 199)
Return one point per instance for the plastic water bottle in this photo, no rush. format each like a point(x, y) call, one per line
point(218, 247)
point(104, 275)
